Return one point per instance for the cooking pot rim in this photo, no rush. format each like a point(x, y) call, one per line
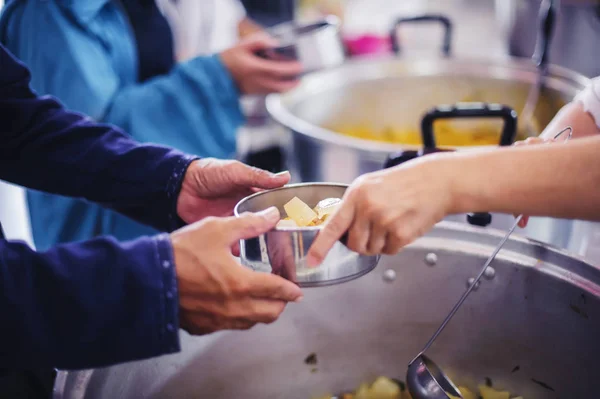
point(432, 66)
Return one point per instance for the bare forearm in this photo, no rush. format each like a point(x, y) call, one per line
point(559, 180)
point(573, 115)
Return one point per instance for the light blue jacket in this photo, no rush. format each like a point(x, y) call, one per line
point(83, 52)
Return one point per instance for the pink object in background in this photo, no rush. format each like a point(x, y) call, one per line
point(368, 44)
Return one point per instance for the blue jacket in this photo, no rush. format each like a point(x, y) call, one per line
point(98, 302)
point(84, 53)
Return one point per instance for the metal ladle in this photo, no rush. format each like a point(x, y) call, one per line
point(424, 379)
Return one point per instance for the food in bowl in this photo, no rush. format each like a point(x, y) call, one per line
point(299, 214)
point(385, 388)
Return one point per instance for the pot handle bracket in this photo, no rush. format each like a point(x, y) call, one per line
point(460, 110)
point(442, 19)
point(472, 110)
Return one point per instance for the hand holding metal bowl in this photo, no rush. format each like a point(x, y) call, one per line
point(317, 45)
point(283, 250)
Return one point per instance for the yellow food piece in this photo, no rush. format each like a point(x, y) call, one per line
point(299, 212)
point(466, 393)
point(385, 388)
point(327, 206)
point(490, 393)
point(382, 388)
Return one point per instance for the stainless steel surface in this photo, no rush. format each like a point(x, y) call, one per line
point(547, 15)
point(396, 92)
point(424, 378)
point(317, 45)
point(538, 320)
point(577, 38)
point(283, 251)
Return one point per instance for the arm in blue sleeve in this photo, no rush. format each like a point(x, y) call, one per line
point(87, 305)
point(194, 108)
point(46, 148)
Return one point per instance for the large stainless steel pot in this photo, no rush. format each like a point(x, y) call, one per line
point(535, 324)
point(397, 92)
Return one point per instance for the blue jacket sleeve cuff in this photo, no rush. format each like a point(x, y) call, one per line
point(174, 188)
point(168, 340)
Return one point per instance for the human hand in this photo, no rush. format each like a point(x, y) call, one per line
point(212, 187)
point(215, 291)
point(386, 210)
point(530, 141)
point(247, 27)
point(256, 75)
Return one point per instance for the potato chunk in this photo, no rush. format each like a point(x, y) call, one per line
point(299, 212)
point(327, 206)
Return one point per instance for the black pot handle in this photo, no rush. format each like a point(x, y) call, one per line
point(398, 158)
point(470, 110)
point(444, 20)
point(465, 110)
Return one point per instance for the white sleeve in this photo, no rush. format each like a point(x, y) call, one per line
point(590, 99)
point(238, 9)
point(228, 15)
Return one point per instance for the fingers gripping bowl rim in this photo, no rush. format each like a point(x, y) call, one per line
point(283, 250)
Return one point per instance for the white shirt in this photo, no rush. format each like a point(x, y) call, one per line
point(590, 99)
point(202, 27)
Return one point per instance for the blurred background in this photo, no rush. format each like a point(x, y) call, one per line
point(481, 29)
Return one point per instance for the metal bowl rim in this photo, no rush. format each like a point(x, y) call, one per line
point(286, 187)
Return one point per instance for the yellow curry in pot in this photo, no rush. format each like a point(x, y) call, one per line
point(447, 134)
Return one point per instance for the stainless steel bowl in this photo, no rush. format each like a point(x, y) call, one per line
point(282, 251)
point(317, 45)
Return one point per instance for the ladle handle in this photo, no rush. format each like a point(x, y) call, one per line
point(444, 20)
point(471, 287)
point(547, 17)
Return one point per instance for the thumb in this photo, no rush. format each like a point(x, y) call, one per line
point(250, 225)
point(248, 176)
point(334, 229)
point(270, 286)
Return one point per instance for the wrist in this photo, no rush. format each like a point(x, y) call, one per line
point(465, 191)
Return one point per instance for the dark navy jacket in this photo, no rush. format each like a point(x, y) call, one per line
point(97, 302)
